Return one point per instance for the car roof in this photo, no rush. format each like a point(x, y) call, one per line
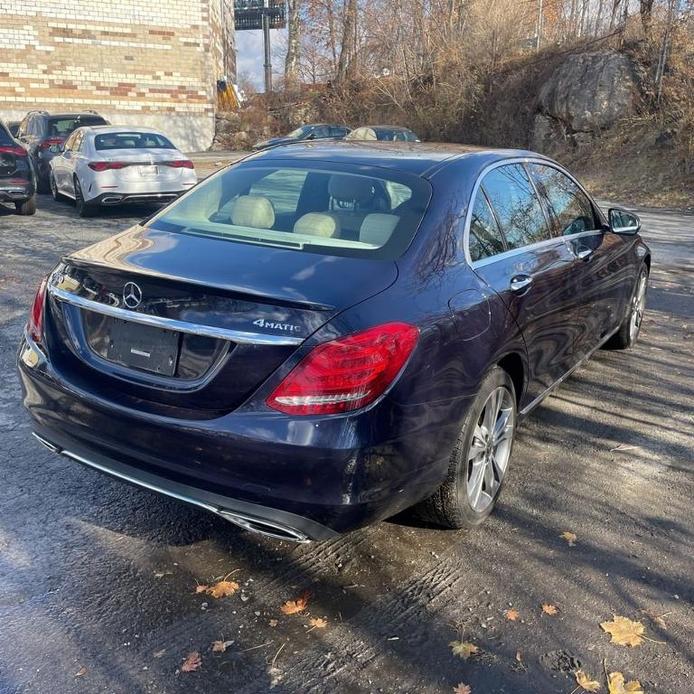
point(385, 127)
point(419, 158)
point(113, 129)
point(75, 114)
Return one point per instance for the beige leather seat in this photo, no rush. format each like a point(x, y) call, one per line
point(318, 224)
point(377, 228)
point(253, 211)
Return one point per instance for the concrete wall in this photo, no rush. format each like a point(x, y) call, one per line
point(137, 62)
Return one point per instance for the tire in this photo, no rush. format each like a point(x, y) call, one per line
point(26, 208)
point(629, 330)
point(84, 209)
point(57, 196)
point(460, 502)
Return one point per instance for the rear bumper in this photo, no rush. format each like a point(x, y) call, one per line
point(313, 478)
point(116, 198)
point(16, 191)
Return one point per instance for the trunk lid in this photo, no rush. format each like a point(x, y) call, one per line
point(189, 325)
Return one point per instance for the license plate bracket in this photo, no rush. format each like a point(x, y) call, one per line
point(147, 170)
point(142, 347)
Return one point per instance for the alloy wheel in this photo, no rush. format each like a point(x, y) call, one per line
point(490, 449)
point(638, 305)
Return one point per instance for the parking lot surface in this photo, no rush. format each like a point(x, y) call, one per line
point(99, 580)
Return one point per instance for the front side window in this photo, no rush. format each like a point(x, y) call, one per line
point(126, 140)
point(319, 208)
point(570, 208)
point(517, 207)
point(485, 239)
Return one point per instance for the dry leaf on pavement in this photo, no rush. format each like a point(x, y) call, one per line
point(295, 606)
point(617, 685)
point(201, 588)
point(222, 589)
point(81, 672)
point(192, 662)
point(318, 622)
point(549, 609)
point(464, 649)
point(583, 680)
point(624, 632)
point(462, 689)
point(569, 537)
point(220, 646)
point(512, 615)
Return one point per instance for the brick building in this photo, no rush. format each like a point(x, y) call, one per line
point(136, 62)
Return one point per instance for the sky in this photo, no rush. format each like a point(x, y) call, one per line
point(249, 54)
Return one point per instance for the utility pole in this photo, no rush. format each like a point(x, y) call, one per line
point(267, 47)
point(540, 22)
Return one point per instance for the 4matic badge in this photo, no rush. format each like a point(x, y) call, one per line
point(286, 327)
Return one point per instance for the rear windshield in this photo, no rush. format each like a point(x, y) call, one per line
point(321, 208)
point(131, 141)
point(61, 127)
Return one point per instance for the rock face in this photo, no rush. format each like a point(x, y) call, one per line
point(586, 94)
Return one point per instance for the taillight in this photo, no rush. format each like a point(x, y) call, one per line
point(179, 164)
point(17, 151)
point(35, 323)
point(347, 373)
point(106, 165)
point(49, 142)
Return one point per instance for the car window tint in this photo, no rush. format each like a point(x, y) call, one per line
point(320, 131)
point(283, 188)
point(517, 206)
point(569, 206)
point(485, 237)
point(130, 140)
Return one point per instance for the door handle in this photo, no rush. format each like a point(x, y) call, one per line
point(520, 282)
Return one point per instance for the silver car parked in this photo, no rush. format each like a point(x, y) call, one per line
point(109, 165)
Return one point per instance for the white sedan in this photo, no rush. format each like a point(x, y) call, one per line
point(108, 165)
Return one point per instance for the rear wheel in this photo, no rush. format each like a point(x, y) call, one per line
point(84, 209)
point(630, 328)
point(27, 207)
point(480, 457)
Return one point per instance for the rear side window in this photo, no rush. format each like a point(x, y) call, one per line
point(517, 207)
point(126, 140)
point(318, 207)
point(569, 207)
point(485, 238)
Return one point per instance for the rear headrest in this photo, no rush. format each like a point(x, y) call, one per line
point(253, 211)
point(377, 228)
point(347, 188)
point(318, 224)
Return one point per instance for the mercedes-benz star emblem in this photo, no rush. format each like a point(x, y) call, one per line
point(132, 295)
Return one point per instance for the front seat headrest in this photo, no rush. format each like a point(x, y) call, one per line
point(253, 211)
point(377, 228)
point(318, 224)
point(347, 188)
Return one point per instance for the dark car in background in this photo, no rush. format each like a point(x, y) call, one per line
point(13, 127)
point(314, 131)
point(322, 335)
point(43, 134)
point(388, 133)
point(17, 180)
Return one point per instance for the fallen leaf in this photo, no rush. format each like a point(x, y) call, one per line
point(273, 622)
point(201, 588)
point(318, 622)
point(295, 606)
point(512, 615)
point(222, 589)
point(624, 632)
point(584, 682)
point(159, 654)
point(81, 672)
point(657, 618)
point(220, 646)
point(464, 649)
point(192, 662)
point(549, 609)
point(462, 689)
point(617, 685)
point(569, 537)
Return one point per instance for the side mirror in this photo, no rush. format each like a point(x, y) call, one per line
point(623, 222)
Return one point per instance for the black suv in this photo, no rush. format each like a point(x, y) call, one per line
point(17, 180)
point(42, 133)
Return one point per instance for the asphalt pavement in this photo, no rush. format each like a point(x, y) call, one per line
point(99, 580)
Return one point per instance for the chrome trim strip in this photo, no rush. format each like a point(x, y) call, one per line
point(500, 256)
point(238, 336)
point(242, 521)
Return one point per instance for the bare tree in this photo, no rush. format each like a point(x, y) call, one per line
point(291, 61)
point(345, 64)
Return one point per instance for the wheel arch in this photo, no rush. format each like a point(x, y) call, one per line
point(513, 365)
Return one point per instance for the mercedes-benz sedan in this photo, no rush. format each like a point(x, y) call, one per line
point(322, 335)
point(109, 165)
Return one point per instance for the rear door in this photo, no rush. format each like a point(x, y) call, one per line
point(601, 269)
point(528, 266)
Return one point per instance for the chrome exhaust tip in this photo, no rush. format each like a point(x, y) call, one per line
point(277, 531)
point(111, 199)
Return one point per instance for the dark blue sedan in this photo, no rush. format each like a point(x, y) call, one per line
point(322, 335)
